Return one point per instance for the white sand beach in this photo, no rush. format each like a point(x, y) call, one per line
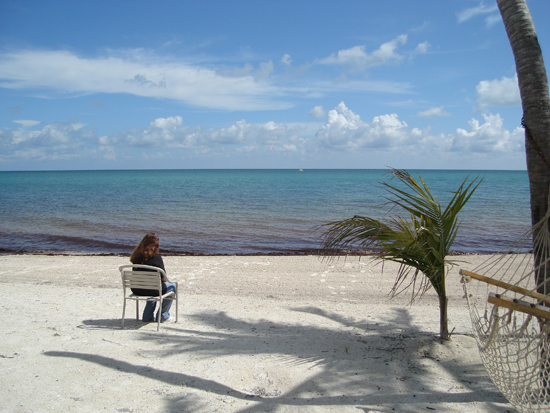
point(255, 334)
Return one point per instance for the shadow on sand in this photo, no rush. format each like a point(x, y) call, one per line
point(376, 365)
point(110, 324)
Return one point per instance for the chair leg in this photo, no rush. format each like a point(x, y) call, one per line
point(177, 296)
point(159, 314)
point(123, 312)
point(137, 309)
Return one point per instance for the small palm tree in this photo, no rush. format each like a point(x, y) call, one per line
point(420, 245)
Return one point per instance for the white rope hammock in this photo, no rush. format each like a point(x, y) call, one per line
point(510, 315)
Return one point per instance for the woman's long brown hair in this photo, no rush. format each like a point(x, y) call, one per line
point(147, 248)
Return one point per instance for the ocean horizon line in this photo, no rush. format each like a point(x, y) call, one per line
point(262, 169)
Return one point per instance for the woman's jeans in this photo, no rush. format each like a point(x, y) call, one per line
point(149, 311)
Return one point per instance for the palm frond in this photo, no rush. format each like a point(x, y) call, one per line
point(420, 244)
point(356, 232)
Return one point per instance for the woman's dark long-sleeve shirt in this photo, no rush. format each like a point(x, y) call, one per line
point(155, 261)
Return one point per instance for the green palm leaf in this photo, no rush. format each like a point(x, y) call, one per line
point(420, 245)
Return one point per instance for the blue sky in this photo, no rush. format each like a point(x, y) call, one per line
point(260, 84)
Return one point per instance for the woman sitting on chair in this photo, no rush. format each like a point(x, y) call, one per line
point(147, 253)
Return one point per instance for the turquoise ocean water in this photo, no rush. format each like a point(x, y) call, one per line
point(233, 211)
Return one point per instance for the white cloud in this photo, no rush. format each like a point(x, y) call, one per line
point(26, 123)
point(286, 60)
point(318, 112)
point(344, 130)
point(353, 56)
point(489, 137)
point(472, 12)
point(433, 113)
point(104, 140)
point(160, 132)
point(63, 135)
point(56, 141)
point(269, 134)
point(422, 48)
point(141, 75)
point(503, 92)
point(357, 58)
point(385, 137)
point(167, 123)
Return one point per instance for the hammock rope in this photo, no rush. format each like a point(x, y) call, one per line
point(510, 316)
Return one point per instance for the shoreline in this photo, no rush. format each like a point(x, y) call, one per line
point(167, 253)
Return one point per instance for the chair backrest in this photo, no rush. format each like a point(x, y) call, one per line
point(147, 279)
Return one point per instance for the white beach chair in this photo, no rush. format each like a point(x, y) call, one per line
point(147, 280)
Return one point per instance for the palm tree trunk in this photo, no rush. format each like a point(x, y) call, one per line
point(533, 86)
point(443, 302)
point(443, 324)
